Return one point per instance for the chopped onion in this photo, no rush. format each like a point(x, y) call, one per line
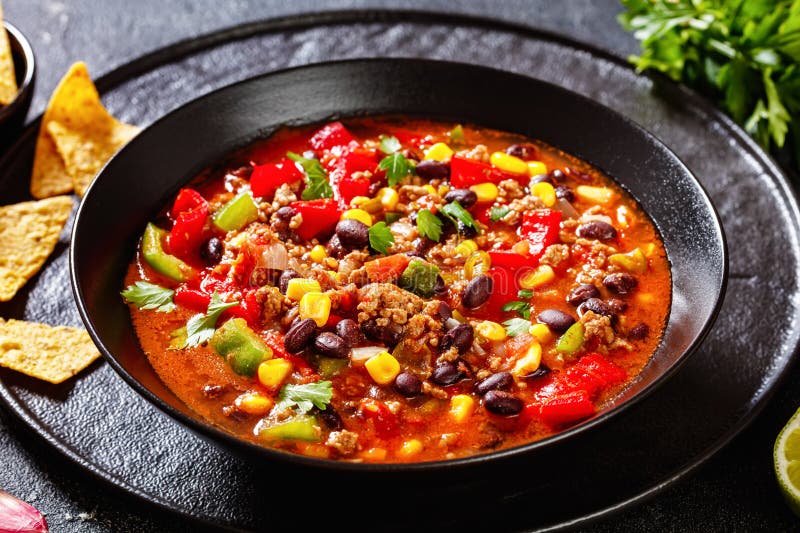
point(451, 323)
point(359, 356)
point(274, 256)
point(17, 516)
point(602, 218)
point(566, 208)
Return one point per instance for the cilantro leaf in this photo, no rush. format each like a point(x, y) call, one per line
point(149, 296)
point(304, 397)
point(498, 213)
point(523, 308)
point(396, 166)
point(516, 326)
point(389, 144)
point(456, 212)
point(380, 238)
point(429, 225)
point(200, 328)
point(317, 184)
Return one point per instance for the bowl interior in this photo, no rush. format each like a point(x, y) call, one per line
point(171, 151)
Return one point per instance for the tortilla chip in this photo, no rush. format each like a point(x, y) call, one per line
point(85, 153)
point(51, 353)
point(28, 233)
point(75, 104)
point(8, 80)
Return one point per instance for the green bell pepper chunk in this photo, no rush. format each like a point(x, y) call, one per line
point(241, 347)
point(237, 213)
point(303, 427)
point(329, 366)
point(572, 339)
point(156, 257)
point(419, 277)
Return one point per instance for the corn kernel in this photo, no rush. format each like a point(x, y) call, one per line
point(357, 214)
point(272, 372)
point(490, 330)
point(596, 195)
point(461, 407)
point(374, 454)
point(486, 192)
point(536, 168)
point(541, 275)
point(442, 190)
point(254, 403)
point(318, 253)
point(429, 188)
point(410, 448)
point(317, 306)
point(466, 247)
point(382, 368)
point(388, 198)
point(331, 263)
point(439, 152)
point(633, 261)
point(545, 192)
point(509, 163)
point(530, 361)
point(541, 332)
point(297, 287)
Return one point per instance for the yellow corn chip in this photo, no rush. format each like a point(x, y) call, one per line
point(8, 80)
point(85, 153)
point(51, 353)
point(75, 104)
point(28, 233)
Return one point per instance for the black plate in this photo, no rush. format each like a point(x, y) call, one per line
point(100, 424)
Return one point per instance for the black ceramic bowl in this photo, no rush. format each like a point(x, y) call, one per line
point(139, 180)
point(13, 115)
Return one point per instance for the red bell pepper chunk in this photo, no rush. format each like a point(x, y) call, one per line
point(383, 420)
point(509, 260)
point(191, 299)
point(541, 229)
point(566, 408)
point(188, 232)
point(186, 200)
point(330, 136)
point(346, 187)
point(319, 217)
point(466, 172)
point(266, 179)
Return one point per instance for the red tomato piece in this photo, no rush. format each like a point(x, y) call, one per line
point(191, 299)
point(266, 179)
point(566, 408)
point(466, 172)
point(383, 420)
point(248, 308)
point(187, 199)
point(330, 136)
point(540, 228)
point(188, 232)
point(319, 217)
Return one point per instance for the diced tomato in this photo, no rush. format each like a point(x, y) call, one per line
point(466, 172)
point(383, 420)
point(602, 367)
point(330, 136)
point(541, 229)
point(248, 308)
point(386, 269)
point(266, 179)
point(214, 282)
point(509, 260)
point(191, 298)
point(319, 217)
point(481, 213)
point(187, 199)
point(332, 320)
point(566, 408)
point(188, 232)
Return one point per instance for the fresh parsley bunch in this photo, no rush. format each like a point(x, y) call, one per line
point(745, 54)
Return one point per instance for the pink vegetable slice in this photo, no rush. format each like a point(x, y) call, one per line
point(17, 516)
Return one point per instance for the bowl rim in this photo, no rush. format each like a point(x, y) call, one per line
point(230, 441)
point(17, 37)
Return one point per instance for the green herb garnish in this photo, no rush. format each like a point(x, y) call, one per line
point(456, 212)
point(429, 225)
point(149, 296)
point(200, 328)
point(380, 238)
point(525, 294)
point(396, 166)
point(523, 308)
point(457, 134)
point(389, 144)
point(317, 184)
point(517, 326)
point(419, 277)
point(498, 213)
point(392, 217)
point(304, 397)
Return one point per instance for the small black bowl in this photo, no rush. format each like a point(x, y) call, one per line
point(143, 176)
point(12, 116)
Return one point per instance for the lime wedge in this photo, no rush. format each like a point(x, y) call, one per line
point(786, 459)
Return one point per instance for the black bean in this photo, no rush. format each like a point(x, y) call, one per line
point(461, 337)
point(499, 381)
point(377, 333)
point(440, 288)
point(562, 191)
point(430, 169)
point(465, 197)
point(283, 282)
point(620, 283)
point(502, 403)
point(597, 306)
point(331, 345)
point(286, 213)
point(542, 178)
point(407, 384)
point(477, 291)
point(597, 229)
point(349, 331)
point(616, 305)
point(581, 293)
point(577, 174)
point(444, 311)
point(446, 373)
point(352, 233)
point(466, 231)
point(556, 320)
point(331, 418)
point(211, 251)
point(639, 332)
point(299, 335)
point(557, 176)
point(415, 253)
point(540, 372)
point(421, 245)
point(524, 151)
point(376, 186)
point(334, 248)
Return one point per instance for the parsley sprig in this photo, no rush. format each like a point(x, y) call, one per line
point(304, 397)
point(516, 326)
point(200, 328)
point(147, 295)
point(454, 211)
point(397, 167)
point(380, 238)
point(317, 184)
point(429, 225)
point(389, 144)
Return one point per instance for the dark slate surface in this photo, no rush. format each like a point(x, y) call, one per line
point(733, 491)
